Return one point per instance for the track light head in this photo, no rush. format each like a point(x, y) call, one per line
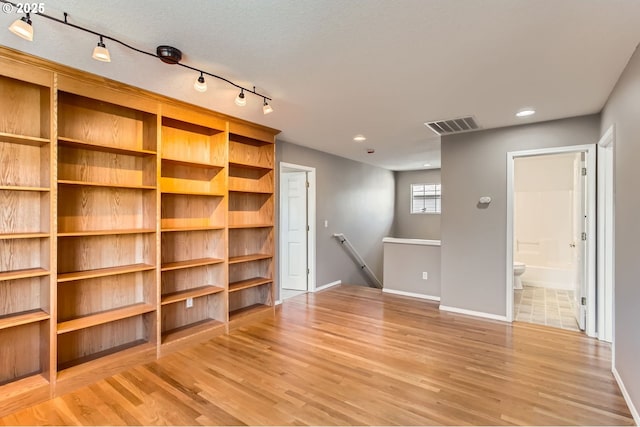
point(200, 85)
point(266, 108)
point(240, 99)
point(101, 53)
point(22, 28)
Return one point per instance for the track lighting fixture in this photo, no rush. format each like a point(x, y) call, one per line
point(101, 53)
point(266, 108)
point(200, 85)
point(22, 28)
point(240, 99)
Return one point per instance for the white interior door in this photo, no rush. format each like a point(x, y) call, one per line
point(580, 244)
point(294, 231)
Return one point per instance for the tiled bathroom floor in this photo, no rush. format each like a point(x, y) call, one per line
point(551, 307)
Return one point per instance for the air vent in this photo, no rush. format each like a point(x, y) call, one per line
point(451, 126)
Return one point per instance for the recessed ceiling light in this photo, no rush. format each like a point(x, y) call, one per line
point(427, 165)
point(359, 138)
point(525, 112)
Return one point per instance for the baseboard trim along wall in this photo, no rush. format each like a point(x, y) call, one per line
point(328, 285)
point(411, 294)
point(473, 313)
point(627, 398)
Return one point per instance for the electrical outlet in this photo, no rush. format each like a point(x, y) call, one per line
point(425, 275)
point(189, 302)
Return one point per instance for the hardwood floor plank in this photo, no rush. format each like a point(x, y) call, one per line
point(355, 356)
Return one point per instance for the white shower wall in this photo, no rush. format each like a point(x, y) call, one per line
point(544, 219)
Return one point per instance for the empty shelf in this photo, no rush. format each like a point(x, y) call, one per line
point(190, 263)
point(102, 272)
point(70, 142)
point(247, 311)
point(249, 283)
point(104, 317)
point(190, 293)
point(235, 226)
point(101, 184)
point(23, 318)
point(196, 228)
point(248, 258)
point(190, 330)
point(23, 188)
point(23, 139)
point(190, 163)
point(106, 232)
point(23, 274)
point(23, 236)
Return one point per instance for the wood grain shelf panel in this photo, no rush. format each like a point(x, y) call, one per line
point(248, 283)
point(249, 166)
point(23, 139)
point(106, 232)
point(71, 142)
point(231, 190)
point(192, 163)
point(103, 360)
point(188, 331)
point(200, 291)
point(240, 226)
point(104, 317)
point(7, 236)
point(102, 272)
point(248, 311)
point(23, 318)
point(23, 274)
point(190, 263)
point(21, 188)
point(192, 193)
point(196, 228)
point(100, 184)
point(248, 258)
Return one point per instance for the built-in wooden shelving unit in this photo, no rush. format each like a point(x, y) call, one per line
point(131, 225)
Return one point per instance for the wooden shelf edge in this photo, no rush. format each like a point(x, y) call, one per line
point(240, 164)
point(240, 226)
point(23, 274)
point(248, 258)
point(23, 139)
point(100, 184)
point(71, 142)
point(192, 193)
point(24, 188)
point(182, 229)
point(198, 292)
point(102, 272)
point(234, 190)
point(190, 163)
point(106, 232)
point(23, 318)
point(189, 331)
point(178, 265)
point(10, 236)
point(104, 317)
point(249, 283)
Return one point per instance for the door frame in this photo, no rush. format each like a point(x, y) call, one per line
point(311, 221)
point(590, 258)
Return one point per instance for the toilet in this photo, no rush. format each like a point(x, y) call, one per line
point(518, 269)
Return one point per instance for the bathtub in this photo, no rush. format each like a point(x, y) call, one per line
point(550, 277)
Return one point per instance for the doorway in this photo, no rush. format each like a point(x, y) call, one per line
point(296, 230)
point(553, 241)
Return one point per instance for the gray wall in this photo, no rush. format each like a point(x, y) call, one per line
point(473, 239)
point(357, 199)
point(404, 264)
point(623, 110)
point(414, 226)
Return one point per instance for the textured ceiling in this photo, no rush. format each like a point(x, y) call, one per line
point(338, 68)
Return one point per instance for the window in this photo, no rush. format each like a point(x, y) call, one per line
point(425, 198)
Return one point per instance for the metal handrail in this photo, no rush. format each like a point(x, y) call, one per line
point(358, 259)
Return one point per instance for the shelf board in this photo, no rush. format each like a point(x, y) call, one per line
point(237, 226)
point(250, 166)
point(192, 193)
point(23, 139)
point(8, 236)
point(247, 311)
point(100, 184)
point(76, 143)
point(196, 228)
point(23, 274)
point(249, 283)
point(106, 232)
point(23, 318)
point(191, 163)
point(200, 291)
point(23, 188)
point(102, 272)
point(111, 356)
point(248, 258)
point(190, 263)
point(190, 330)
point(104, 317)
point(232, 190)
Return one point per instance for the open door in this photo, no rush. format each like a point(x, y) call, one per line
point(294, 231)
point(580, 227)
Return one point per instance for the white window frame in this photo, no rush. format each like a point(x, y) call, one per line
point(439, 185)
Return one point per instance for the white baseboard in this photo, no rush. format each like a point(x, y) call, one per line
point(411, 294)
point(328, 285)
point(473, 313)
point(627, 398)
point(279, 302)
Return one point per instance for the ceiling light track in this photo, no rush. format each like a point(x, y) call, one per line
point(103, 37)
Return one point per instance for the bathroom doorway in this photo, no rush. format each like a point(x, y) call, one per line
point(551, 237)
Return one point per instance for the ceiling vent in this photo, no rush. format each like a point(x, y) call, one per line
point(451, 126)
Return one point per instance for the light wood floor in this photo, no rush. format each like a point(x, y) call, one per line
point(352, 355)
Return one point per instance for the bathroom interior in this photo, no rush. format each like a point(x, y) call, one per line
point(547, 250)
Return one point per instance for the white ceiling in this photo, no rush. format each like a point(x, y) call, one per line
point(381, 68)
